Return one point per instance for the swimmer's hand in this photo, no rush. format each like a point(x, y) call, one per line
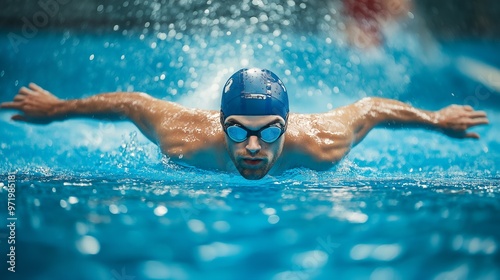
point(454, 121)
point(36, 104)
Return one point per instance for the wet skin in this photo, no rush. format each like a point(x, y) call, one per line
point(195, 137)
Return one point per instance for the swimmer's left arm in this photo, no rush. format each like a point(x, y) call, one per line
point(39, 106)
point(453, 120)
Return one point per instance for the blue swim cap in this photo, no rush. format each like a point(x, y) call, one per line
point(254, 92)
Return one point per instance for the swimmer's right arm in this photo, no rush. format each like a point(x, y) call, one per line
point(40, 106)
point(453, 120)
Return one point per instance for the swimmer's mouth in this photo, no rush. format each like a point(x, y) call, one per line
point(252, 161)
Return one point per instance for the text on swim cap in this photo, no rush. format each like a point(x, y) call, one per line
point(254, 96)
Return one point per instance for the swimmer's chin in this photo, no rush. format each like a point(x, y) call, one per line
point(252, 174)
point(255, 178)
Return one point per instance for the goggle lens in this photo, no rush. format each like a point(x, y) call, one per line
point(269, 134)
point(236, 133)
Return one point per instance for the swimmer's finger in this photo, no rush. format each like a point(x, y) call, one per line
point(25, 91)
point(472, 135)
point(478, 114)
point(18, 98)
point(35, 87)
point(479, 121)
point(10, 105)
point(468, 108)
point(18, 118)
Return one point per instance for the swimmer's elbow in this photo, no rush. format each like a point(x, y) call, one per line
point(366, 107)
point(364, 117)
point(367, 101)
point(135, 97)
point(140, 95)
point(370, 101)
point(373, 111)
point(134, 103)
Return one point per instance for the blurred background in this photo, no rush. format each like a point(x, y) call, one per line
point(446, 20)
point(345, 48)
point(303, 39)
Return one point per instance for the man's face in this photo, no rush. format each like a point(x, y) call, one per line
point(253, 157)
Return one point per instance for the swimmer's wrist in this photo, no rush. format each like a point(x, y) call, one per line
point(433, 119)
point(62, 108)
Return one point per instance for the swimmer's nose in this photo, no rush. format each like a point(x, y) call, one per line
point(253, 145)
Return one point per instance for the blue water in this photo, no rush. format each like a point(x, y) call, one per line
point(96, 200)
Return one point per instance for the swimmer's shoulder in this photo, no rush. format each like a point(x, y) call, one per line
point(170, 113)
point(319, 139)
point(190, 131)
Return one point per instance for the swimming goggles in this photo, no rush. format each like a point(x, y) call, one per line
point(269, 133)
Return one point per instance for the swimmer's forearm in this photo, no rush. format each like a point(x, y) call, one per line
point(370, 112)
point(453, 120)
point(136, 107)
point(105, 105)
point(393, 113)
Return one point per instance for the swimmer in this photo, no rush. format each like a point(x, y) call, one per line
point(254, 131)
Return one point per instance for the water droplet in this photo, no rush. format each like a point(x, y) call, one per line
point(63, 203)
point(161, 36)
point(81, 228)
point(313, 259)
point(73, 200)
point(88, 245)
point(273, 219)
point(113, 209)
point(160, 210)
point(196, 226)
point(221, 226)
point(269, 211)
